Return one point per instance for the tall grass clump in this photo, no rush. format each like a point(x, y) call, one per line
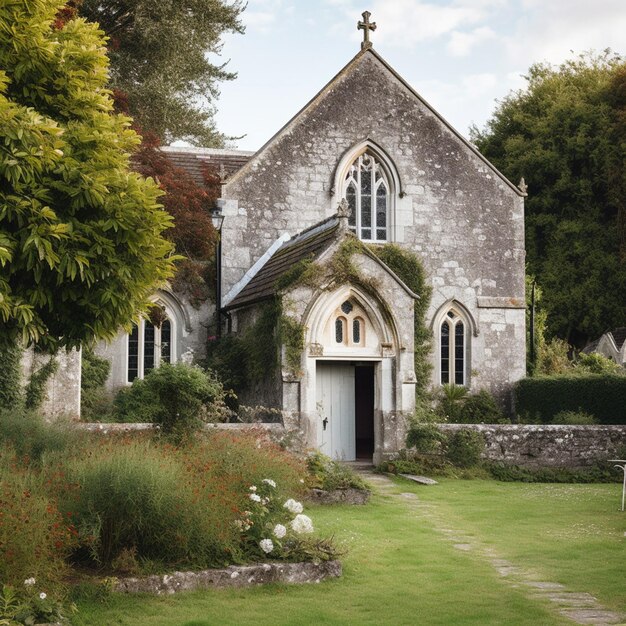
point(35, 538)
point(131, 497)
point(30, 437)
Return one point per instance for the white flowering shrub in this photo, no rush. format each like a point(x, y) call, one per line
point(275, 528)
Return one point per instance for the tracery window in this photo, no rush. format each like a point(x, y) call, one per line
point(367, 191)
point(349, 326)
point(148, 347)
point(453, 340)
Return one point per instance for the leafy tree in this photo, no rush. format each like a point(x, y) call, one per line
point(159, 61)
point(189, 204)
point(566, 134)
point(81, 245)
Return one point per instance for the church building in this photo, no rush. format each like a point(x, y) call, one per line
point(366, 163)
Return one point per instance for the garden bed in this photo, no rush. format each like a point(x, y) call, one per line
point(233, 576)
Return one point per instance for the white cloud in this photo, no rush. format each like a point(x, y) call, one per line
point(551, 30)
point(461, 44)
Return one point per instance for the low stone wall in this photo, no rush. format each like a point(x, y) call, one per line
point(339, 496)
point(119, 427)
point(233, 576)
point(547, 445)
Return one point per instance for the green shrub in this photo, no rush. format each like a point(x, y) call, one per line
point(514, 473)
point(425, 438)
point(600, 395)
point(574, 418)
point(481, 408)
point(431, 465)
point(329, 475)
point(464, 447)
point(450, 402)
point(95, 404)
point(595, 363)
point(179, 398)
point(553, 357)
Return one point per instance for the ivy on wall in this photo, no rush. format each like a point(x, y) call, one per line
point(13, 394)
point(254, 355)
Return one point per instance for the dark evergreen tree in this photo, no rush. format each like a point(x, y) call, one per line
point(566, 135)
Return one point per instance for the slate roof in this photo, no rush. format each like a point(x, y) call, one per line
point(194, 160)
point(308, 244)
point(619, 336)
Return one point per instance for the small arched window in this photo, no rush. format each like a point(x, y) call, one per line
point(367, 191)
point(453, 349)
point(349, 327)
point(148, 346)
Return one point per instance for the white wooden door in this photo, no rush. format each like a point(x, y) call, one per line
point(335, 409)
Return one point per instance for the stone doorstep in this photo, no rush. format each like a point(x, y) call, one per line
point(233, 576)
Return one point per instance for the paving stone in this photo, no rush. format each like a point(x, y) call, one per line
point(592, 616)
point(421, 480)
point(544, 585)
point(573, 599)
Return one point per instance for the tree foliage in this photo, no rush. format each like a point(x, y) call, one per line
point(81, 245)
point(190, 205)
point(160, 63)
point(566, 134)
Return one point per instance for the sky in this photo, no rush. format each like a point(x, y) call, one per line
point(461, 56)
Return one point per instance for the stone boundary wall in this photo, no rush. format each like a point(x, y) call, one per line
point(547, 445)
point(233, 576)
point(121, 427)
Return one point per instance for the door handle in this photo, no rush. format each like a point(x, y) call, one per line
point(324, 423)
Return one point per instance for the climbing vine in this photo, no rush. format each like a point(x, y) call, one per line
point(254, 354)
point(409, 269)
point(35, 390)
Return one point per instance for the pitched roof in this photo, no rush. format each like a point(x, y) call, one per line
point(619, 336)
point(308, 244)
point(194, 160)
point(348, 68)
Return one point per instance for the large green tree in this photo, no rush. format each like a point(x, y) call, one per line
point(566, 134)
point(81, 245)
point(161, 61)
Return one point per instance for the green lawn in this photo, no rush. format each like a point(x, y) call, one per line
point(400, 569)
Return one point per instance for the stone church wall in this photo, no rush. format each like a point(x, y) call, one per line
point(62, 390)
point(452, 209)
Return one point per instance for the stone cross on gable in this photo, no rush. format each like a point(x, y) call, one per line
point(366, 26)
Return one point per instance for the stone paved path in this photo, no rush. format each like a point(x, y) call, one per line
point(580, 608)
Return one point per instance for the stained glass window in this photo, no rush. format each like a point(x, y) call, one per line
point(367, 194)
point(166, 346)
point(133, 354)
point(453, 349)
point(339, 330)
point(148, 347)
point(356, 331)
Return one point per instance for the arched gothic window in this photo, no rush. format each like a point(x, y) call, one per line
point(367, 191)
point(453, 345)
point(349, 326)
point(149, 346)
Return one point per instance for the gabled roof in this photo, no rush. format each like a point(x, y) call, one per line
point(308, 244)
point(195, 160)
point(619, 336)
point(343, 72)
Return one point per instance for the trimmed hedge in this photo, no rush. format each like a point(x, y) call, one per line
point(538, 400)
